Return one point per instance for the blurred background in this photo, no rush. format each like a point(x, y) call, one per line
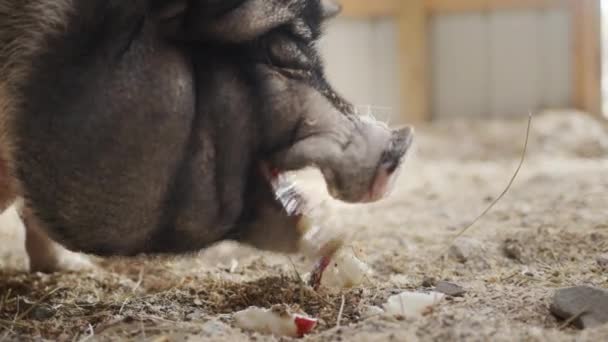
point(422, 60)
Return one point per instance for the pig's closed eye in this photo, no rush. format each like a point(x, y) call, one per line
point(289, 55)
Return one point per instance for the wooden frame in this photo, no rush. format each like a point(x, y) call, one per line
point(587, 59)
point(412, 17)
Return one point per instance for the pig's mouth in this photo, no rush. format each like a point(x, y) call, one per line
point(363, 186)
point(285, 191)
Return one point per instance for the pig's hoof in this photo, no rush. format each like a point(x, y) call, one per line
point(75, 262)
point(61, 261)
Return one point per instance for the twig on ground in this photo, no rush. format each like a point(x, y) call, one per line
point(5, 298)
point(140, 279)
point(499, 198)
point(33, 306)
point(122, 307)
point(299, 278)
point(340, 312)
point(574, 318)
point(91, 333)
point(295, 269)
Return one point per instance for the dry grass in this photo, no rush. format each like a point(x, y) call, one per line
point(545, 234)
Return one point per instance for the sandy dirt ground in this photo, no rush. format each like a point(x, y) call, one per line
point(545, 234)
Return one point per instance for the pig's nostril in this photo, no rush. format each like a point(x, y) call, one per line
point(390, 166)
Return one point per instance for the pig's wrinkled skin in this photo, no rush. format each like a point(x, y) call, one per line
point(145, 126)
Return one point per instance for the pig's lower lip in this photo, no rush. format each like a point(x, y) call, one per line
point(381, 186)
point(385, 177)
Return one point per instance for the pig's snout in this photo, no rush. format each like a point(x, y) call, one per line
point(390, 164)
point(367, 170)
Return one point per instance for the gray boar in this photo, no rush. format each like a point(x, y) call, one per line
point(150, 126)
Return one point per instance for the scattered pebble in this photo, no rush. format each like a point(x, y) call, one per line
point(596, 237)
point(42, 312)
point(428, 282)
point(463, 249)
point(278, 321)
point(513, 250)
point(528, 273)
point(412, 304)
point(450, 289)
point(586, 306)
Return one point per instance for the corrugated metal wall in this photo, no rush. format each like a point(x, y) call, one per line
point(483, 64)
point(501, 63)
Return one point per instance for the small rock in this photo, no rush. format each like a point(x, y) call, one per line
point(595, 237)
point(42, 313)
point(513, 250)
point(450, 289)
point(602, 260)
point(588, 303)
point(428, 282)
point(528, 273)
point(465, 249)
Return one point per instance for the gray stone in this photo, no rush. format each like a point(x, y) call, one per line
point(450, 289)
point(428, 282)
point(42, 312)
point(587, 304)
point(602, 260)
point(513, 250)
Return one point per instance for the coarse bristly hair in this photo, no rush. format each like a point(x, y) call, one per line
point(24, 28)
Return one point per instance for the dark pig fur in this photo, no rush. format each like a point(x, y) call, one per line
point(151, 126)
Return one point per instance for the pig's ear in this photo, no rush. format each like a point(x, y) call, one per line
point(239, 20)
point(330, 9)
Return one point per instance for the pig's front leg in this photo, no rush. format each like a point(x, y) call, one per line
point(44, 254)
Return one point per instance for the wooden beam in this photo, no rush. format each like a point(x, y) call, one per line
point(439, 6)
point(587, 56)
point(413, 57)
point(370, 8)
point(388, 8)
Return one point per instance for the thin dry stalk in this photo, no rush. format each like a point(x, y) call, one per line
point(295, 269)
point(35, 305)
point(340, 312)
point(500, 197)
point(574, 318)
point(302, 284)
